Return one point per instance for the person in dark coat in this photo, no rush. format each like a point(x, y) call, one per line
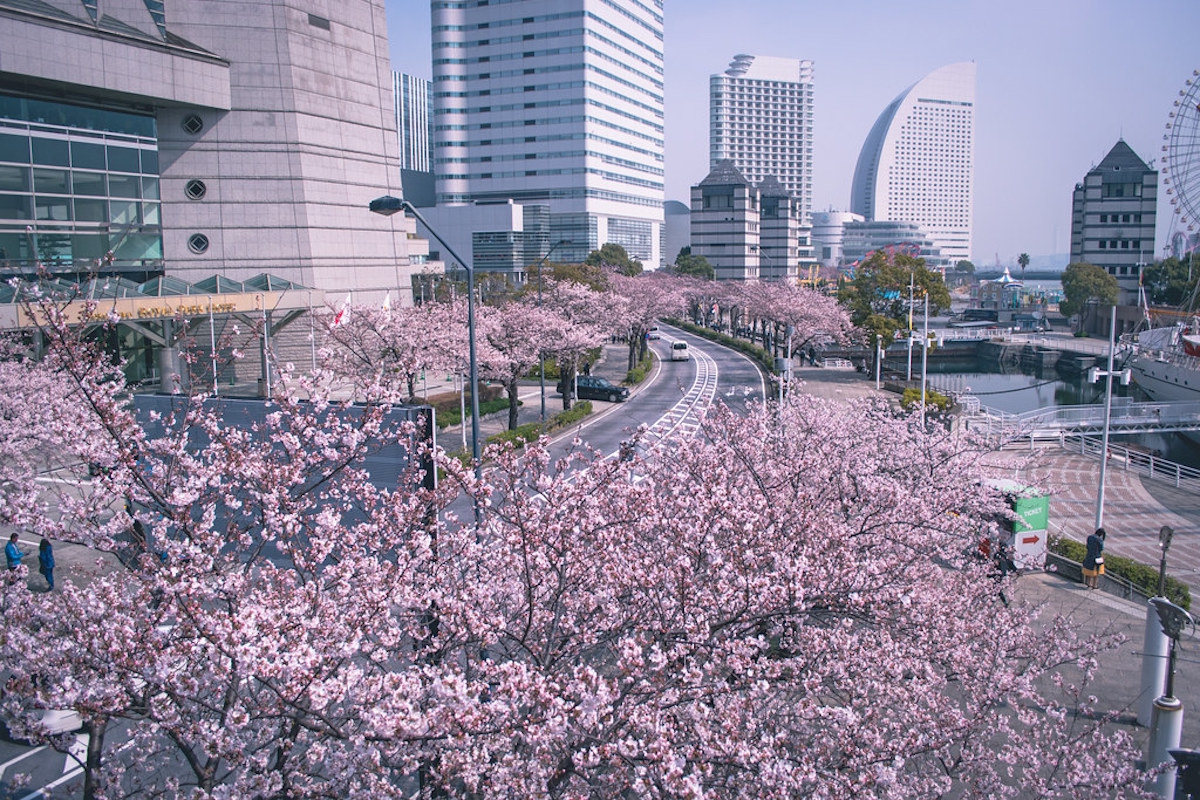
point(1093, 562)
point(46, 562)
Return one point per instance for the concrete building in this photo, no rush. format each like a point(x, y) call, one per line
point(558, 104)
point(677, 229)
point(200, 139)
point(504, 237)
point(859, 239)
point(761, 119)
point(827, 233)
point(725, 223)
point(918, 162)
point(784, 243)
point(1113, 218)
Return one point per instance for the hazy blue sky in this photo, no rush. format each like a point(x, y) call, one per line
point(1059, 81)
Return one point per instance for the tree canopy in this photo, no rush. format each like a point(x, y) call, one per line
point(693, 265)
point(1082, 283)
point(878, 296)
point(614, 256)
point(1172, 282)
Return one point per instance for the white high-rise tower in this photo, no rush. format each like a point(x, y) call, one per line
point(761, 119)
point(918, 162)
point(559, 104)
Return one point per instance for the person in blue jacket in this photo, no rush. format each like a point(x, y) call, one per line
point(46, 562)
point(12, 553)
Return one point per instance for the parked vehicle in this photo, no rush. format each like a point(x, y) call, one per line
point(591, 387)
point(679, 351)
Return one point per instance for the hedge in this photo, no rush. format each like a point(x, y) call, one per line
point(1143, 576)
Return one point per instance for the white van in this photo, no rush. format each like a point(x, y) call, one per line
point(679, 351)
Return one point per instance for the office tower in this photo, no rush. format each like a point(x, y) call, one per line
point(761, 119)
point(206, 139)
point(1113, 217)
point(414, 121)
point(558, 104)
point(918, 165)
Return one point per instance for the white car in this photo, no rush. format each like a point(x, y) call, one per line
point(654, 333)
point(679, 351)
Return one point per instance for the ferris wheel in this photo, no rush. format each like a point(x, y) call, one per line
point(1181, 162)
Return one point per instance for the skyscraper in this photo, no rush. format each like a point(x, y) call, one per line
point(414, 121)
point(918, 162)
point(761, 119)
point(559, 104)
point(1113, 217)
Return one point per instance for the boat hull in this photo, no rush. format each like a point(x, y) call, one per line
point(1167, 380)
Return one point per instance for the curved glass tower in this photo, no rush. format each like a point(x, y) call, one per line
point(918, 162)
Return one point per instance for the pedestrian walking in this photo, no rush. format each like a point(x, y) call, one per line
point(46, 562)
point(12, 553)
point(1093, 562)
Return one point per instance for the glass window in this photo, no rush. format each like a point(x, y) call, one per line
point(89, 183)
point(150, 188)
point(150, 214)
point(124, 185)
point(123, 159)
point(16, 206)
point(51, 151)
point(91, 209)
point(14, 148)
point(14, 179)
point(150, 162)
point(123, 212)
point(87, 155)
point(55, 208)
point(89, 246)
point(50, 181)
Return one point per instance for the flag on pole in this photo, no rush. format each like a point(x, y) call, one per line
point(387, 301)
point(343, 314)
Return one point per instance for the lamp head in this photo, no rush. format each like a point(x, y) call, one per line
point(1171, 617)
point(387, 205)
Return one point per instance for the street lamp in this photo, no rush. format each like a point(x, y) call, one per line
point(542, 355)
point(387, 206)
point(1093, 374)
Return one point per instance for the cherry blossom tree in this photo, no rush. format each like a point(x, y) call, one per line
point(517, 334)
point(759, 611)
point(392, 346)
point(647, 297)
point(591, 316)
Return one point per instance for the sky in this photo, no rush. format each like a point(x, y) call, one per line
point(1058, 83)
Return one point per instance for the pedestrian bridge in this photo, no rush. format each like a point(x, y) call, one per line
point(1127, 418)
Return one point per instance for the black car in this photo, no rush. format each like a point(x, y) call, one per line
point(594, 388)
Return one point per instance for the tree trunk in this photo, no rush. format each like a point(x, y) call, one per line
point(94, 759)
point(514, 404)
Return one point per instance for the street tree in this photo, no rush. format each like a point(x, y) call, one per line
point(614, 257)
point(1172, 281)
point(1086, 285)
point(886, 290)
point(645, 298)
point(762, 612)
point(590, 317)
point(693, 265)
point(391, 347)
point(515, 336)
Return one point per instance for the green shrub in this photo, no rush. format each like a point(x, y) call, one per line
point(1142, 576)
point(638, 374)
point(912, 398)
point(453, 415)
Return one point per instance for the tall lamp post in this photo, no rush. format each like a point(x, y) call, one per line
point(542, 356)
point(1093, 374)
point(387, 206)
